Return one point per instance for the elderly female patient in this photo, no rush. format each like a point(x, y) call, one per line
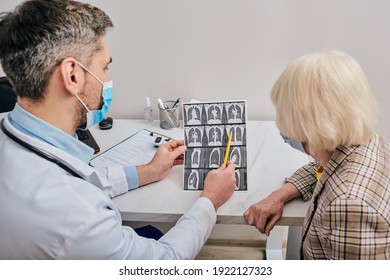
point(325, 108)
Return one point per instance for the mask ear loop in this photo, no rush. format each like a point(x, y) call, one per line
point(82, 103)
point(89, 71)
point(86, 69)
point(93, 75)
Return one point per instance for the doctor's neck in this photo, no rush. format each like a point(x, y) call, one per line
point(51, 111)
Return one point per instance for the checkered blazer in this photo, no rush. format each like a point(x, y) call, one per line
point(349, 217)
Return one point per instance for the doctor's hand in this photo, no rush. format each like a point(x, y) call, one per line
point(220, 184)
point(167, 155)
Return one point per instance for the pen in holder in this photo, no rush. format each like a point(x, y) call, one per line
point(169, 114)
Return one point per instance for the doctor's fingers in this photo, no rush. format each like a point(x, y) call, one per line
point(176, 143)
point(177, 147)
point(230, 167)
point(177, 152)
point(179, 160)
point(171, 152)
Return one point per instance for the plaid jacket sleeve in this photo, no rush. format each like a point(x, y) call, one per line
point(304, 179)
point(355, 230)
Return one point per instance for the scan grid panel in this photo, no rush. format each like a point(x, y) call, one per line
point(207, 126)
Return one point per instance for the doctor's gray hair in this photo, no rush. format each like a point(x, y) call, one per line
point(39, 34)
point(324, 99)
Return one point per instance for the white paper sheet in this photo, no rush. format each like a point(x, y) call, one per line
point(136, 150)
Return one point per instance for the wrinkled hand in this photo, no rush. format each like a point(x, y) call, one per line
point(265, 213)
point(167, 155)
point(220, 184)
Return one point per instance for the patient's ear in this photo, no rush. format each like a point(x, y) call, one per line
point(72, 75)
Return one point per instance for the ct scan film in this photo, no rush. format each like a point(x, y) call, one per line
point(207, 126)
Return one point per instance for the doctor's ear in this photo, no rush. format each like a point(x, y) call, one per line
point(72, 75)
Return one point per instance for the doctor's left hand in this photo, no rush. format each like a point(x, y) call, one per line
point(167, 155)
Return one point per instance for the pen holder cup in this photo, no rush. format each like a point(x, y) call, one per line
point(169, 117)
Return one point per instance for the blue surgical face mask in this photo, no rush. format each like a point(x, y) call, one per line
point(96, 116)
point(295, 144)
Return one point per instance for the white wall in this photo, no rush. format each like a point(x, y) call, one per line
point(235, 49)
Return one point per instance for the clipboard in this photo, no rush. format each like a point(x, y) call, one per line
point(137, 149)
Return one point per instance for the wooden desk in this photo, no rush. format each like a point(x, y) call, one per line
point(270, 160)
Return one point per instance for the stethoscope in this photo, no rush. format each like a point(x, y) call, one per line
point(37, 151)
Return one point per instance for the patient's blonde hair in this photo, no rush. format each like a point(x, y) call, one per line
point(324, 99)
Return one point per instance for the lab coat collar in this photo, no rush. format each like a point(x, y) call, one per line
point(37, 128)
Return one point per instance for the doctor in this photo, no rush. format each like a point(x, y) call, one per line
point(53, 205)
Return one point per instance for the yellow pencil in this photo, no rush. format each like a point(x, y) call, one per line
point(228, 148)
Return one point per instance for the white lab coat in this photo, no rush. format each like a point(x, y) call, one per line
point(46, 213)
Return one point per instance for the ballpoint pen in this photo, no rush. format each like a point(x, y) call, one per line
point(228, 148)
point(176, 102)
